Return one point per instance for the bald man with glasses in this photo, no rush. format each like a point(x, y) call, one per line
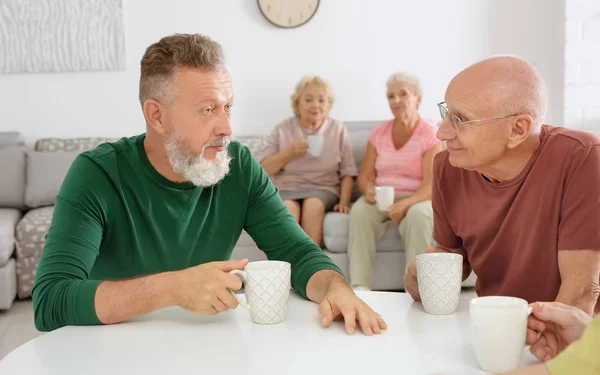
point(519, 200)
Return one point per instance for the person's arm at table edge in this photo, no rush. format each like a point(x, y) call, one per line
point(580, 278)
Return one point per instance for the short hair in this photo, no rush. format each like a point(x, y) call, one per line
point(408, 78)
point(304, 82)
point(159, 63)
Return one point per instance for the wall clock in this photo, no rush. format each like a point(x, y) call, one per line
point(288, 13)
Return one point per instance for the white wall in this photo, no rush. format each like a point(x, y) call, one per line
point(355, 44)
point(582, 69)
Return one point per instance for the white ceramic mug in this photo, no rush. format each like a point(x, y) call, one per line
point(384, 195)
point(267, 288)
point(315, 144)
point(440, 280)
point(499, 330)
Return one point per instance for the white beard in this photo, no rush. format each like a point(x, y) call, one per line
point(197, 169)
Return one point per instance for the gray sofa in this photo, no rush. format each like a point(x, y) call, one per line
point(31, 178)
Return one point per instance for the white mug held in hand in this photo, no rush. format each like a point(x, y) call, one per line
point(267, 288)
point(499, 330)
point(384, 195)
point(315, 144)
point(439, 276)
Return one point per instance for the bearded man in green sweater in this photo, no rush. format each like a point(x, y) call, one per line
point(151, 221)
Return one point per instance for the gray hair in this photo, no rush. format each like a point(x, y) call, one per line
point(161, 59)
point(410, 79)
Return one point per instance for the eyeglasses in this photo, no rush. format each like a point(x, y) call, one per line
point(457, 122)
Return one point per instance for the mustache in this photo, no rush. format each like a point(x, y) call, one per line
point(220, 142)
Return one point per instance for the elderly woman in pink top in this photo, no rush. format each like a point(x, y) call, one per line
point(399, 154)
point(316, 179)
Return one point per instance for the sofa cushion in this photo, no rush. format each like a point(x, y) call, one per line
point(32, 230)
point(70, 144)
point(8, 222)
point(45, 174)
point(12, 177)
point(336, 231)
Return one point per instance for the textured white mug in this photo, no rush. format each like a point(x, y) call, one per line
point(267, 288)
point(315, 144)
point(384, 195)
point(499, 329)
point(440, 279)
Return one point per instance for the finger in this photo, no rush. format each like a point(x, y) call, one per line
point(326, 313)
point(232, 282)
point(364, 319)
point(336, 207)
point(539, 348)
point(550, 312)
point(535, 324)
point(211, 311)
point(551, 344)
point(230, 265)
point(382, 323)
point(228, 299)
point(532, 336)
point(374, 323)
point(219, 306)
point(350, 318)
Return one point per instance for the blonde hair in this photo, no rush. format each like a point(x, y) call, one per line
point(410, 79)
point(308, 80)
point(161, 59)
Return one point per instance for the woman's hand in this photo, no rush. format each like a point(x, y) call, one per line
point(398, 210)
point(559, 325)
point(370, 195)
point(343, 208)
point(298, 148)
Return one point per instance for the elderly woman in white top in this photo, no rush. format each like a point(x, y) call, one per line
point(316, 179)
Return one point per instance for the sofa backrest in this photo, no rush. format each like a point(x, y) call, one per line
point(47, 166)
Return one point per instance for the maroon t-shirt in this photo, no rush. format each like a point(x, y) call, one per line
point(510, 232)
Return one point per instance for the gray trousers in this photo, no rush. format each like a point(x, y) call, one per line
point(367, 226)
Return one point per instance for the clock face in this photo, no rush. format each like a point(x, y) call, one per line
point(288, 13)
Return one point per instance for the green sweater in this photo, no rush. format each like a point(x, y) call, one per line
point(116, 218)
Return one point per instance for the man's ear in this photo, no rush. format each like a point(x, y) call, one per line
point(419, 98)
point(156, 116)
point(520, 130)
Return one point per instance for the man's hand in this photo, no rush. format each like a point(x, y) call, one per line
point(343, 208)
point(398, 210)
point(370, 195)
point(340, 301)
point(204, 289)
point(559, 325)
point(298, 148)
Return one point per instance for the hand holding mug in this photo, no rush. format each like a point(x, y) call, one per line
point(205, 289)
point(298, 148)
point(559, 325)
point(370, 195)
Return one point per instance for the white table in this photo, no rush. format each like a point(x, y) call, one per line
point(172, 341)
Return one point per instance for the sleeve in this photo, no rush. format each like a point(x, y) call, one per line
point(442, 230)
point(276, 232)
point(374, 135)
point(581, 357)
point(347, 165)
point(63, 294)
point(580, 206)
point(273, 145)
